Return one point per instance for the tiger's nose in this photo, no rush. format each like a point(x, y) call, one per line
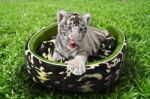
point(72, 39)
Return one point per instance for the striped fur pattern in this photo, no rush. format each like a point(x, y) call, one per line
point(76, 40)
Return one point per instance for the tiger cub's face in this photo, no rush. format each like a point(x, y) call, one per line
point(72, 27)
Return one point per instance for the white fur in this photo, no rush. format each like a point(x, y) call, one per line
point(87, 46)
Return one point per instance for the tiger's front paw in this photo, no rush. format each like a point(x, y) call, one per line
point(77, 66)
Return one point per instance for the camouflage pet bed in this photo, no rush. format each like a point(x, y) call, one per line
point(107, 48)
point(102, 69)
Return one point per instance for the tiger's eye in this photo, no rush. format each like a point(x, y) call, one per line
point(69, 27)
point(64, 33)
point(81, 29)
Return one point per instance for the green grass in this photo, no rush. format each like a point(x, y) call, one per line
point(19, 19)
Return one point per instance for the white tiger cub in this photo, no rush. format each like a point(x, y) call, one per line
point(76, 40)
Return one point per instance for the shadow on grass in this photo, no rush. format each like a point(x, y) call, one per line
point(133, 68)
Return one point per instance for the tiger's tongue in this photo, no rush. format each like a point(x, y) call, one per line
point(72, 45)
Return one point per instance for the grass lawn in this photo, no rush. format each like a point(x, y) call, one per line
point(19, 19)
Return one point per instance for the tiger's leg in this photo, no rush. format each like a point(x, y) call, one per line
point(56, 56)
point(78, 64)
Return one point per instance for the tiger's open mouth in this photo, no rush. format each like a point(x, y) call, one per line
point(72, 45)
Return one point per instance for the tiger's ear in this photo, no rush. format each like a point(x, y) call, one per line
point(87, 18)
point(61, 15)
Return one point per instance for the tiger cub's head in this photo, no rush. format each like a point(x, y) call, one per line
point(72, 27)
